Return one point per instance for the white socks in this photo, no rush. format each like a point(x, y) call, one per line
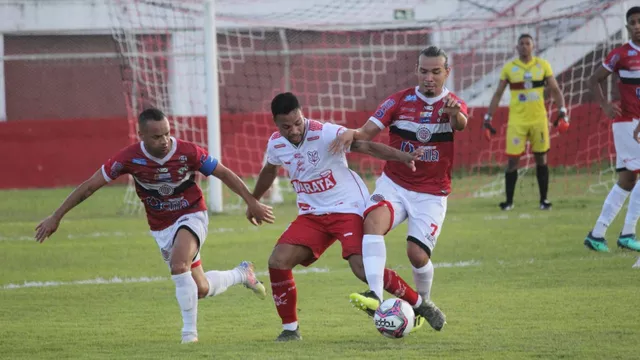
point(611, 207)
point(423, 278)
point(374, 257)
point(187, 295)
point(220, 281)
point(633, 212)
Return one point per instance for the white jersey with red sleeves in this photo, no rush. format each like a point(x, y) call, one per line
point(166, 186)
point(625, 61)
point(322, 181)
point(416, 121)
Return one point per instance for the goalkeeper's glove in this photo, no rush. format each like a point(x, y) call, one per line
point(562, 121)
point(488, 129)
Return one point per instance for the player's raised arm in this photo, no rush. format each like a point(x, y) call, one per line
point(49, 225)
point(385, 152)
point(344, 141)
point(595, 81)
point(260, 212)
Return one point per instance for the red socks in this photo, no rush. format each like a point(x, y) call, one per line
point(285, 294)
point(395, 285)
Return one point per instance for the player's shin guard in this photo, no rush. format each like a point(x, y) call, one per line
point(220, 281)
point(396, 286)
point(187, 295)
point(633, 212)
point(423, 278)
point(374, 257)
point(285, 296)
point(611, 207)
point(542, 173)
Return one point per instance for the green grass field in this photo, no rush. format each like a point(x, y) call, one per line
point(516, 285)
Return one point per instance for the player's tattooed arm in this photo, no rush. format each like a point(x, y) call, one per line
point(266, 178)
point(50, 224)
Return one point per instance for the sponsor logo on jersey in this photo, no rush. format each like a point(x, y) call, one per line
point(632, 53)
point(428, 107)
point(183, 158)
point(116, 168)
point(278, 146)
point(410, 98)
point(377, 198)
point(322, 184)
point(166, 205)
point(313, 138)
point(405, 117)
point(384, 107)
point(139, 161)
point(162, 177)
point(614, 60)
point(162, 170)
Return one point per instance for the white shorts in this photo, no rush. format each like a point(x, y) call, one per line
point(425, 212)
point(627, 148)
point(197, 223)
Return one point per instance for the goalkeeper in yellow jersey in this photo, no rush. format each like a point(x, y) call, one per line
point(527, 77)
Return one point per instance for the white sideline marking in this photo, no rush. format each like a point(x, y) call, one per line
point(96, 281)
point(116, 234)
point(145, 279)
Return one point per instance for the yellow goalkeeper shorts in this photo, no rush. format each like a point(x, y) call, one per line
point(537, 133)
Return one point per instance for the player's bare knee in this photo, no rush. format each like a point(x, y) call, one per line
point(418, 257)
point(179, 267)
point(280, 260)
point(377, 221)
point(627, 180)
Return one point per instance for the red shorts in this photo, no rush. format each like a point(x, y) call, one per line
point(318, 232)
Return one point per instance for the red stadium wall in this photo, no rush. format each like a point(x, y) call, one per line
point(65, 152)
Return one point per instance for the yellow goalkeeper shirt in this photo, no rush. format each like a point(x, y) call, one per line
point(526, 83)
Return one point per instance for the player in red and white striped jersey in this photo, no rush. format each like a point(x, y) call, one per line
point(426, 116)
point(625, 61)
point(164, 171)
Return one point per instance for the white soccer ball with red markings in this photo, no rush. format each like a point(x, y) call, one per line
point(394, 318)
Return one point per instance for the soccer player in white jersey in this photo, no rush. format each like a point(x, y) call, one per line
point(164, 170)
point(625, 61)
point(331, 199)
point(425, 116)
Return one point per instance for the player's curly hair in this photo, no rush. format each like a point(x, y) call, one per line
point(632, 11)
point(150, 114)
point(284, 103)
point(434, 51)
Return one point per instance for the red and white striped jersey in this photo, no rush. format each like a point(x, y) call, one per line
point(416, 121)
point(625, 61)
point(166, 186)
point(322, 181)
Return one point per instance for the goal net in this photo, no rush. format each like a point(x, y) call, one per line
point(342, 58)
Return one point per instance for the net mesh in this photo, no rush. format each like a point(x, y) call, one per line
point(342, 58)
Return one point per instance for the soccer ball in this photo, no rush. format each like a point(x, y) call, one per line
point(394, 318)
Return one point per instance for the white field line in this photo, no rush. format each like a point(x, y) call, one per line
point(115, 234)
point(145, 279)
